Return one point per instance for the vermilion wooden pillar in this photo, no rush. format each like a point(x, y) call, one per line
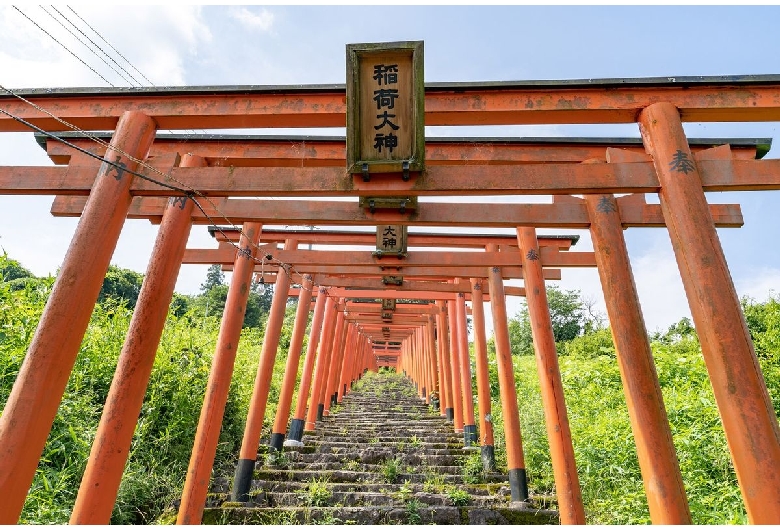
point(483, 379)
point(469, 425)
point(295, 434)
point(323, 360)
point(457, 392)
point(446, 377)
point(350, 352)
point(430, 342)
point(257, 404)
point(36, 394)
point(328, 390)
point(749, 419)
point(515, 461)
point(291, 368)
point(210, 422)
point(107, 459)
point(657, 459)
point(556, 419)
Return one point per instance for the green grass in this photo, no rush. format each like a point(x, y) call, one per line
point(161, 446)
point(316, 493)
point(390, 469)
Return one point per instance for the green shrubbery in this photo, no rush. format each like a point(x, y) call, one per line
point(160, 452)
point(604, 444)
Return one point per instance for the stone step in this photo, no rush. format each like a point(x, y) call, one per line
point(382, 456)
point(411, 513)
point(495, 489)
point(340, 475)
point(410, 455)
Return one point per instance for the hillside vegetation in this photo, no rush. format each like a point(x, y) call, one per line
point(606, 457)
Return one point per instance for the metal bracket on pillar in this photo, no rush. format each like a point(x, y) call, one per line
point(405, 169)
point(392, 280)
point(366, 174)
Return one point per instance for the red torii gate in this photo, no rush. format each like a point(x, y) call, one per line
point(657, 106)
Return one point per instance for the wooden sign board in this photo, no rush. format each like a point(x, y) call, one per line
point(391, 239)
point(385, 107)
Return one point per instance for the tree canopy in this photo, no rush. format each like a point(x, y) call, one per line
point(571, 316)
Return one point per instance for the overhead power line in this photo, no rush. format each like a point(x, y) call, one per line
point(131, 76)
point(96, 32)
point(65, 47)
point(58, 21)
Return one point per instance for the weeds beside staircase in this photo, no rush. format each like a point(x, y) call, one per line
point(381, 457)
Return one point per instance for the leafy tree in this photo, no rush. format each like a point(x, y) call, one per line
point(123, 284)
point(214, 278)
point(10, 269)
point(570, 315)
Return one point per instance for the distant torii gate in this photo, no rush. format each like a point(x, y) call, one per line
point(671, 169)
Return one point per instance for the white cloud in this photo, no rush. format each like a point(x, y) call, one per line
point(759, 283)
point(157, 40)
point(262, 20)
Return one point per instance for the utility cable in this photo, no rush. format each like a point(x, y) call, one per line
point(187, 190)
point(128, 81)
point(66, 48)
point(111, 46)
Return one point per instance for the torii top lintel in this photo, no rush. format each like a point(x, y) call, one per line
point(699, 99)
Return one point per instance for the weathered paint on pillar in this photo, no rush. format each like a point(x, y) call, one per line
point(204, 448)
point(446, 377)
point(469, 426)
point(748, 417)
point(556, 419)
point(434, 362)
point(515, 461)
point(334, 375)
point(295, 434)
point(652, 435)
point(108, 456)
point(483, 377)
point(350, 353)
point(457, 400)
point(257, 404)
point(323, 360)
point(36, 394)
point(291, 368)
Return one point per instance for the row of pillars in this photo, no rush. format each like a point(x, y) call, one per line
point(746, 411)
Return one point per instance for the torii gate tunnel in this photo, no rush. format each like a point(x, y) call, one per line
point(406, 309)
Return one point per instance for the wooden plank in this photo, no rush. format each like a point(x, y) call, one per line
point(550, 257)
point(258, 151)
point(528, 179)
point(591, 101)
point(337, 213)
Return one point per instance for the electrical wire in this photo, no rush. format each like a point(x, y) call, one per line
point(186, 190)
point(129, 82)
point(66, 48)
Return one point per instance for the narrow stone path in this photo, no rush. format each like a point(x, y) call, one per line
point(381, 457)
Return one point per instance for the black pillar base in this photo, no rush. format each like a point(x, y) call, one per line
point(518, 485)
point(277, 440)
point(469, 434)
point(334, 399)
point(344, 393)
point(435, 403)
point(320, 410)
point(296, 430)
point(242, 481)
point(488, 458)
point(450, 412)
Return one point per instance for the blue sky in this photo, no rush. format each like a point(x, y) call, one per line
point(220, 45)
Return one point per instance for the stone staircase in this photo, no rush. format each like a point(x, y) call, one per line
point(381, 457)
